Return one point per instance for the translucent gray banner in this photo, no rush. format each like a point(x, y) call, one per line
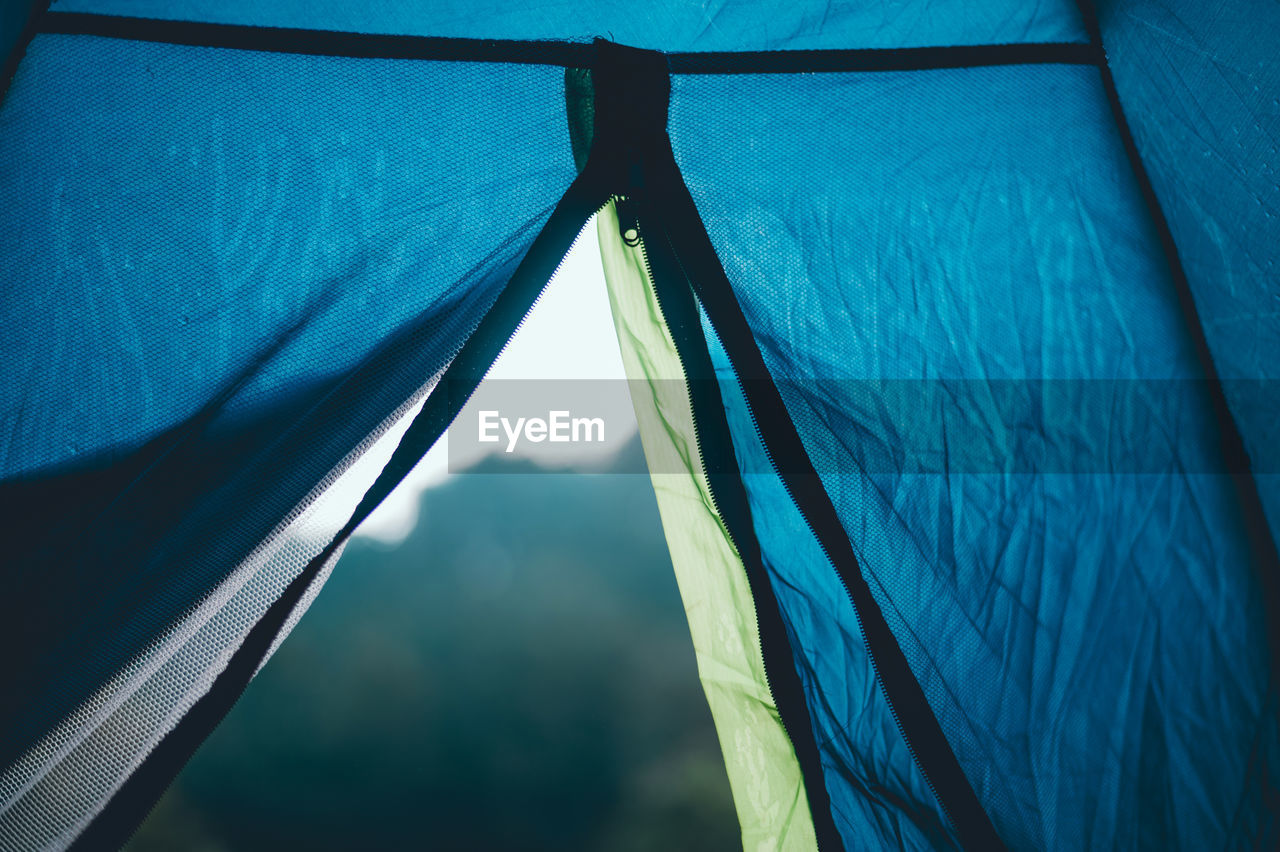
point(898, 426)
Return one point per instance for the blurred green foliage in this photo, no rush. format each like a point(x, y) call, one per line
point(516, 675)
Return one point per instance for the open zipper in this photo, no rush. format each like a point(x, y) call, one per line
point(633, 154)
point(772, 644)
point(637, 241)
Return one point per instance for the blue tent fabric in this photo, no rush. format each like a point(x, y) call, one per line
point(235, 266)
point(969, 248)
point(307, 172)
point(878, 795)
point(1202, 102)
point(1024, 583)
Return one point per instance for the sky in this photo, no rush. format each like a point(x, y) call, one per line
point(569, 335)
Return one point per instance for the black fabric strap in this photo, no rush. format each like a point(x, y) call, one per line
point(919, 726)
point(134, 800)
point(563, 53)
point(884, 59)
point(31, 25)
point(318, 42)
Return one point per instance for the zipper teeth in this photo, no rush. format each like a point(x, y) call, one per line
point(702, 462)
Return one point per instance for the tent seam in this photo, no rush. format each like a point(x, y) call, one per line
point(569, 54)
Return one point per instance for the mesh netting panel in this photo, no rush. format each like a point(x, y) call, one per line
point(223, 270)
point(54, 790)
point(1091, 642)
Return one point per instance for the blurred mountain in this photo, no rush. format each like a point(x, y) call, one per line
point(515, 675)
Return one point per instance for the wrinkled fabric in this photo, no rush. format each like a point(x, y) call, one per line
point(1200, 87)
point(879, 797)
point(1093, 643)
point(223, 270)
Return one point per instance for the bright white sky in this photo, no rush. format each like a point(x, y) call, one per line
point(568, 335)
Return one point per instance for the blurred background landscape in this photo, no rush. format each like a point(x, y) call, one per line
point(501, 661)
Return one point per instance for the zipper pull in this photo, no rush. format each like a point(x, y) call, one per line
point(628, 222)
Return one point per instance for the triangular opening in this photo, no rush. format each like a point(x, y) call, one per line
point(500, 658)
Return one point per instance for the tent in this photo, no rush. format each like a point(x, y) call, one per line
point(952, 327)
